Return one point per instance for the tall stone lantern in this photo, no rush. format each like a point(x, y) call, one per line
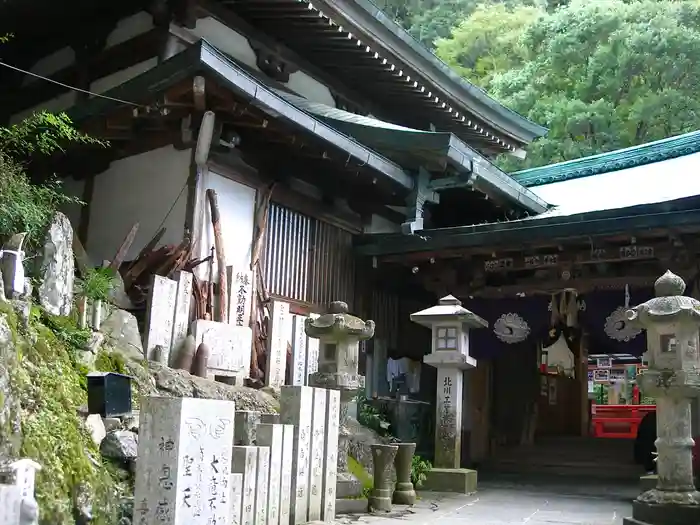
point(450, 324)
point(672, 322)
point(339, 334)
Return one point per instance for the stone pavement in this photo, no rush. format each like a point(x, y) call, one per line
point(497, 504)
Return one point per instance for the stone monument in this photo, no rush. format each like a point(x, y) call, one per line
point(339, 335)
point(450, 323)
point(672, 321)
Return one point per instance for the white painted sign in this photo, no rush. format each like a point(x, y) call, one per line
point(230, 347)
point(312, 350)
point(25, 475)
point(240, 296)
point(160, 314)
point(299, 373)
point(10, 504)
point(183, 299)
point(280, 331)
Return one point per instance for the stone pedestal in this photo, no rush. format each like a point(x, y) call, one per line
point(339, 334)
point(404, 493)
point(673, 378)
point(382, 460)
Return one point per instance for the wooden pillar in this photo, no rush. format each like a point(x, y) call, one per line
point(582, 376)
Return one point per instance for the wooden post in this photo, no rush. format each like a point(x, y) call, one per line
point(220, 256)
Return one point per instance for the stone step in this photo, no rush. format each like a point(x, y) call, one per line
point(582, 470)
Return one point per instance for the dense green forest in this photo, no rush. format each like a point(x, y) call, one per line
point(600, 74)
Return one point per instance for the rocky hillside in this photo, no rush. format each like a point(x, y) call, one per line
point(87, 461)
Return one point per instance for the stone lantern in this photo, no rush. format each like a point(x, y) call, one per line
point(339, 335)
point(450, 323)
point(672, 322)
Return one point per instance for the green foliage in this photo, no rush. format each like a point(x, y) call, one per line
point(368, 416)
point(50, 388)
point(29, 207)
point(600, 75)
point(419, 470)
point(97, 284)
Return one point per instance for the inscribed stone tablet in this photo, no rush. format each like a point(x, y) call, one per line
point(236, 498)
point(272, 436)
point(204, 476)
point(330, 461)
point(280, 334)
point(298, 351)
point(160, 314)
point(247, 422)
point(25, 474)
point(312, 349)
point(448, 431)
point(229, 347)
point(181, 320)
point(318, 449)
point(262, 486)
point(183, 471)
point(296, 404)
point(245, 462)
point(10, 504)
point(287, 474)
point(240, 296)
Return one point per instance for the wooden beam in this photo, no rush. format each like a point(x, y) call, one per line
point(110, 61)
point(229, 18)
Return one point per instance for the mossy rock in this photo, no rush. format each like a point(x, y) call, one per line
point(49, 384)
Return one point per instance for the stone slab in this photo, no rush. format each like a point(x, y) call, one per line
point(230, 347)
point(272, 436)
point(245, 432)
point(181, 318)
point(296, 404)
point(352, 506)
point(183, 473)
point(318, 453)
point(262, 486)
point(240, 282)
point(330, 460)
point(299, 373)
point(25, 471)
point(160, 315)
point(10, 504)
point(236, 498)
point(286, 474)
point(280, 334)
point(245, 462)
point(460, 480)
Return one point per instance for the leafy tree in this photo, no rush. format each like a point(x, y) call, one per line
point(600, 75)
point(27, 206)
point(488, 42)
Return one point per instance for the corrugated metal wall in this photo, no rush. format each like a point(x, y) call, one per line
point(307, 260)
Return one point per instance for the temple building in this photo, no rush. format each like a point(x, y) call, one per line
point(351, 165)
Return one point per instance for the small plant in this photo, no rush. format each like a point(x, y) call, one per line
point(368, 416)
point(419, 470)
point(97, 284)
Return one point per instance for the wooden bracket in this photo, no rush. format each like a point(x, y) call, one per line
point(416, 201)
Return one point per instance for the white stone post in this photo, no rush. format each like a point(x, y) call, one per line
point(450, 323)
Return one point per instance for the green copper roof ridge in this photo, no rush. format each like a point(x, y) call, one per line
point(649, 153)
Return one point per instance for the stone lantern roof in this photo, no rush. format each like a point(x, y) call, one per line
point(338, 324)
point(449, 308)
point(669, 305)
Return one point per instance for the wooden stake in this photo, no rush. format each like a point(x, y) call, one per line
point(220, 256)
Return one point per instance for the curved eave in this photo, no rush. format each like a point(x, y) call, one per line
point(634, 156)
point(371, 20)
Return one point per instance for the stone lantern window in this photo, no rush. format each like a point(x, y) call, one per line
point(446, 338)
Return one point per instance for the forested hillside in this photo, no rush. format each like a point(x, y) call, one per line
point(600, 74)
